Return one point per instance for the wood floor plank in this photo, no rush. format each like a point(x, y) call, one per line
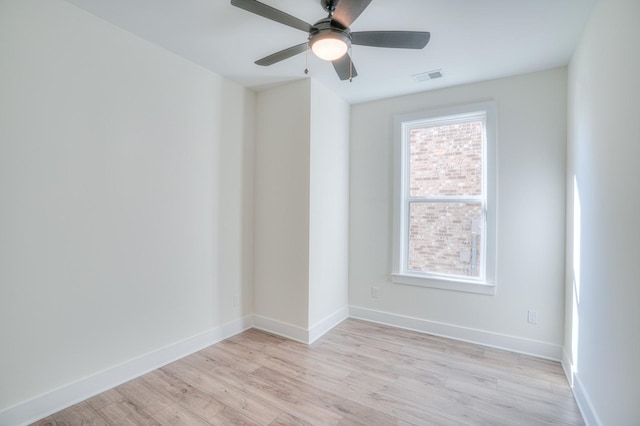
point(360, 373)
point(285, 400)
point(47, 421)
point(79, 414)
point(352, 411)
point(233, 397)
point(215, 356)
point(229, 416)
point(149, 400)
point(286, 419)
point(126, 413)
point(367, 391)
point(184, 394)
point(257, 352)
point(105, 398)
point(177, 415)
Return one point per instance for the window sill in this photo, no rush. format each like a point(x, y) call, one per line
point(445, 284)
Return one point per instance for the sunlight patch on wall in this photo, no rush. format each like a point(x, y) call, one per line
point(575, 321)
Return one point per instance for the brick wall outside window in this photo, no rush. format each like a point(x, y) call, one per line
point(445, 161)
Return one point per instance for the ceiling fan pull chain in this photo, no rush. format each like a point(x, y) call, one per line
point(350, 64)
point(306, 61)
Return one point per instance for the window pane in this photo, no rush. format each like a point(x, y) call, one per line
point(444, 238)
point(446, 160)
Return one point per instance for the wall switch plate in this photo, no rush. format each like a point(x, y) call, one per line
point(374, 292)
point(532, 317)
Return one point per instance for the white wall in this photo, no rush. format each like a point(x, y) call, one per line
point(531, 174)
point(602, 339)
point(125, 188)
point(282, 204)
point(329, 205)
point(235, 186)
point(301, 210)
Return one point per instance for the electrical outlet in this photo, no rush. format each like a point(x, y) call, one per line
point(374, 292)
point(532, 317)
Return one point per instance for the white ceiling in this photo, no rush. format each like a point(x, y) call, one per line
point(471, 40)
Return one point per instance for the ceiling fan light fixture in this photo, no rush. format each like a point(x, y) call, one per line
point(330, 45)
point(331, 38)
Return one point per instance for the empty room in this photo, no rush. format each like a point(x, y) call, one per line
point(319, 212)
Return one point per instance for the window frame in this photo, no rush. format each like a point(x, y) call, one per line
point(486, 283)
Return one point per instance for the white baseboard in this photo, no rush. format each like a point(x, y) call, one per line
point(585, 405)
point(300, 334)
point(68, 395)
point(323, 326)
point(567, 367)
point(471, 335)
point(279, 328)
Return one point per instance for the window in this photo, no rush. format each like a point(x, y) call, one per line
point(445, 209)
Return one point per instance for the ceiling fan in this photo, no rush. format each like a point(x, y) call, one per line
point(330, 38)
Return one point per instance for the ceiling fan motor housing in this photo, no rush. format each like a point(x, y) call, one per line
point(327, 28)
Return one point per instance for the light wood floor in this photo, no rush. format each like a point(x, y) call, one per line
point(358, 374)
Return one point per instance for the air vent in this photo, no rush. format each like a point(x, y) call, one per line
point(429, 75)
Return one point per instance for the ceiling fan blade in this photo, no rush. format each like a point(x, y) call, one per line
point(401, 39)
point(345, 68)
point(282, 55)
point(274, 14)
point(348, 11)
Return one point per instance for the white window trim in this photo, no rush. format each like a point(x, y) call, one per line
point(400, 275)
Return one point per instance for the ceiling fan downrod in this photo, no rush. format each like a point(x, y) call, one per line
point(329, 6)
